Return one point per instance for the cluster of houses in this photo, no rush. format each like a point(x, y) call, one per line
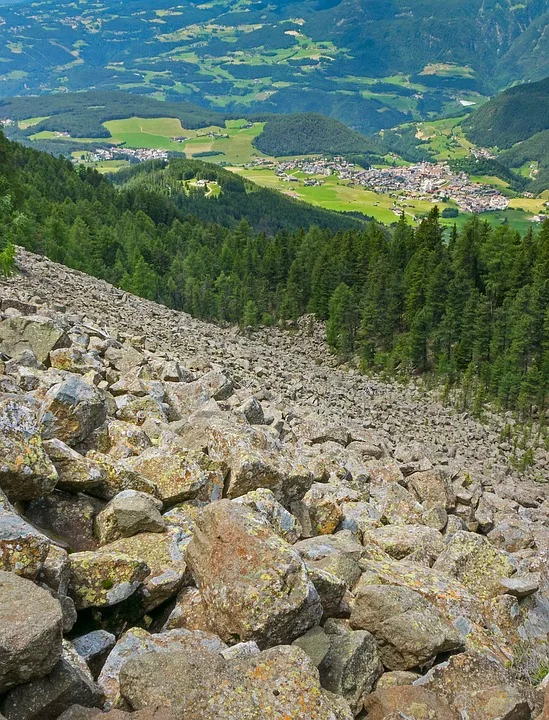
point(434, 182)
point(125, 153)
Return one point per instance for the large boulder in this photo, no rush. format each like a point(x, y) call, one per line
point(393, 703)
point(254, 585)
point(264, 502)
point(163, 554)
point(185, 398)
point(128, 513)
point(475, 562)
point(118, 476)
point(72, 410)
point(26, 472)
point(409, 629)
point(46, 698)
point(30, 631)
point(101, 579)
point(281, 682)
point(136, 642)
point(36, 333)
point(75, 472)
point(416, 542)
point(180, 475)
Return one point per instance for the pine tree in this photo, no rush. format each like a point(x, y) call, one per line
point(342, 320)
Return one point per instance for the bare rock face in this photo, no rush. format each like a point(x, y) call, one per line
point(30, 631)
point(280, 682)
point(408, 629)
point(253, 584)
point(26, 472)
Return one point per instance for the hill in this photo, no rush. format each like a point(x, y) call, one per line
point(307, 133)
point(371, 65)
point(512, 116)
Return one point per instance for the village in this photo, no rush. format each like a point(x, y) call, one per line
point(124, 153)
point(424, 181)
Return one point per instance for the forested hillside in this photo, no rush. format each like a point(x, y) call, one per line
point(306, 133)
point(472, 308)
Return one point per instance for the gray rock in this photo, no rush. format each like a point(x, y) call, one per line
point(94, 648)
point(30, 631)
point(26, 472)
point(315, 643)
point(520, 586)
point(75, 472)
point(36, 333)
point(72, 410)
point(128, 513)
point(409, 629)
point(46, 698)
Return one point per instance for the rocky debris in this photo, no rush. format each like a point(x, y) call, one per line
point(253, 584)
point(30, 631)
point(377, 531)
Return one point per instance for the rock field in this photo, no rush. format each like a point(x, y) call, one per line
point(197, 524)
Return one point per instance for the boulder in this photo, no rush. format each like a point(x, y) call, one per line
point(23, 550)
point(324, 508)
point(315, 643)
point(185, 398)
point(33, 332)
point(30, 631)
point(26, 472)
point(75, 472)
point(416, 542)
point(351, 666)
point(72, 410)
point(476, 563)
point(409, 630)
point(136, 642)
point(163, 555)
point(67, 518)
point(392, 703)
point(180, 475)
point(280, 682)
point(264, 502)
point(432, 487)
point(77, 712)
point(128, 513)
point(188, 612)
point(101, 579)
point(118, 476)
point(254, 585)
point(94, 648)
point(46, 698)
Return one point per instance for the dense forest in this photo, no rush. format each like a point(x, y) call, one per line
point(471, 308)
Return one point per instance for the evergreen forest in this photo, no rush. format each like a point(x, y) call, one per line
point(469, 306)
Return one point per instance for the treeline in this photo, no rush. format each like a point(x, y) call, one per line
point(471, 308)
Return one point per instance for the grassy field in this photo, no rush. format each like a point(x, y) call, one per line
point(445, 138)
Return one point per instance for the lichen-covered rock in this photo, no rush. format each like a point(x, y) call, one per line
point(403, 541)
point(253, 584)
point(67, 517)
point(30, 631)
point(26, 472)
point(32, 332)
point(72, 410)
point(264, 502)
point(23, 550)
point(128, 513)
point(471, 559)
point(118, 476)
point(396, 505)
point(185, 398)
point(136, 642)
point(46, 698)
point(409, 629)
point(431, 486)
point(392, 703)
point(351, 666)
point(75, 472)
point(101, 579)
point(255, 461)
point(180, 475)
point(188, 612)
point(78, 712)
point(315, 643)
point(324, 508)
point(164, 557)
point(280, 682)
